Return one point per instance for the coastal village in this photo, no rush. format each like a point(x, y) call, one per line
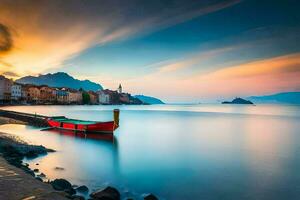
point(15, 93)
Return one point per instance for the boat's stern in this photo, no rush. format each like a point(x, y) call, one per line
point(116, 118)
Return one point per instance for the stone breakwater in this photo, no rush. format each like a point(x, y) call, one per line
point(5, 120)
point(30, 119)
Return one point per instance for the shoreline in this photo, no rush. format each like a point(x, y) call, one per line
point(18, 181)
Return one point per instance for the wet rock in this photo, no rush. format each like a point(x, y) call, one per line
point(150, 197)
point(36, 170)
point(14, 151)
point(31, 154)
point(39, 178)
point(77, 197)
point(25, 168)
point(59, 168)
point(108, 193)
point(50, 150)
point(82, 189)
point(42, 175)
point(30, 172)
point(70, 191)
point(61, 184)
point(31, 151)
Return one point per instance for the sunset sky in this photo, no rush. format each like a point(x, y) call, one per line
point(179, 51)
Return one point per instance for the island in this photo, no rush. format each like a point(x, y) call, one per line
point(278, 98)
point(238, 101)
point(149, 100)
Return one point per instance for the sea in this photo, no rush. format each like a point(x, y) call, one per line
point(176, 152)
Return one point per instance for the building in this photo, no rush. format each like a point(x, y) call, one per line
point(62, 96)
point(120, 90)
point(5, 89)
point(104, 96)
point(75, 96)
point(114, 97)
point(33, 94)
point(47, 95)
point(124, 98)
point(93, 97)
point(25, 93)
point(16, 92)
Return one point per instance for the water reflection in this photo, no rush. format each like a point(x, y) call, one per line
point(95, 136)
point(179, 154)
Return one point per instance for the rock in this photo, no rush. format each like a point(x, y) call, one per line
point(41, 175)
point(25, 168)
point(108, 193)
point(39, 178)
point(61, 184)
point(36, 163)
point(59, 168)
point(82, 189)
point(36, 170)
point(31, 154)
point(77, 197)
point(70, 191)
point(30, 172)
point(150, 197)
point(50, 150)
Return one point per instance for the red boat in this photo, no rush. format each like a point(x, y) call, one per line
point(64, 123)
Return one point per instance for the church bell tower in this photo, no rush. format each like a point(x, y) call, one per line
point(120, 88)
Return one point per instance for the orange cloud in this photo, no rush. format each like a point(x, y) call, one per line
point(47, 33)
point(258, 77)
point(273, 66)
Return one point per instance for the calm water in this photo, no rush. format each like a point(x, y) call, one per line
point(184, 152)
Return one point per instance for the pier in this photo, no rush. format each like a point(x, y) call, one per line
point(31, 119)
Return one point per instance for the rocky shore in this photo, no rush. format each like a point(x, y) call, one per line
point(18, 181)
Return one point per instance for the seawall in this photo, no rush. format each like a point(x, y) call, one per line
point(30, 119)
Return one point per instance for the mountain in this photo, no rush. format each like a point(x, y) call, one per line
point(237, 101)
point(60, 79)
point(149, 100)
point(285, 98)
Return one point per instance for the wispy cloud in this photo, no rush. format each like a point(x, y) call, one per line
point(254, 77)
point(46, 33)
point(10, 74)
point(194, 59)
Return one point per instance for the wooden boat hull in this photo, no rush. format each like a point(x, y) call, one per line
point(64, 123)
point(99, 127)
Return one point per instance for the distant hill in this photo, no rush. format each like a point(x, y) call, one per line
point(60, 79)
point(237, 101)
point(285, 98)
point(149, 100)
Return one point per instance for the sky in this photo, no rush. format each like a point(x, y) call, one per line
point(178, 51)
